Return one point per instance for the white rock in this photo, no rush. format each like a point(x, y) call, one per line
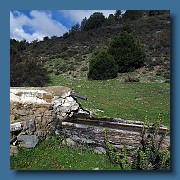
point(27, 96)
point(65, 104)
point(69, 142)
point(16, 127)
point(69, 99)
point(96, 168)
point(75, 107)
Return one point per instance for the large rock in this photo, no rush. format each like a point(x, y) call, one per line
point(99, 150)
point(29, 141)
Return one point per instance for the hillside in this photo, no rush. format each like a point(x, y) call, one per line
point(70, 54)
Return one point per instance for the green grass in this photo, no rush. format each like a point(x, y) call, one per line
point(116, 99)
point(130, 101)
point(50, 154)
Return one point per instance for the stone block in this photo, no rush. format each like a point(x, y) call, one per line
point(64, 109)
point(48, 97)
point(99, 150)
point(28, 141)
point(44, 122)
point(69, 142)
point(31, 125)
point(22, 112)
point(12, 117)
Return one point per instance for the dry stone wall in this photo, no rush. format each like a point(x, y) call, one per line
point(120, 134)
point(37, 112)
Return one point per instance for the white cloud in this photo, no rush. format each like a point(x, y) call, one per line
point(41, 23)
point(76, 16)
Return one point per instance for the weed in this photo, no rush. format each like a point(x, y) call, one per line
point(114, 156)
point(151, 155)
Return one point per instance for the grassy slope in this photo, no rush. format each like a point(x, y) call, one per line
point(133, 101)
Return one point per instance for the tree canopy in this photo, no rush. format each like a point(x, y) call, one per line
point(127, 52)
point(102, 66)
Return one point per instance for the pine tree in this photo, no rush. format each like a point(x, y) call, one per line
point(102, 66)
point(127, 52)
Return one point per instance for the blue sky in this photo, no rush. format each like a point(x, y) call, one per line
point(36, 24)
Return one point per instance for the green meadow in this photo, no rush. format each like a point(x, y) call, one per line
point(117, 99)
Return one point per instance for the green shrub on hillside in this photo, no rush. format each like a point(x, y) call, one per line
point(127, 52)
point(102, 66)
point(26, 72)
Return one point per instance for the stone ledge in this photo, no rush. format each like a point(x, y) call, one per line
point(38, 95)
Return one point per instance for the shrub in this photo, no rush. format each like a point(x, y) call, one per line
point(131, 79)
point(27, 73)
point(64, 47)
point(127, 52)
point(84, 68)
point(102, 66)
point(114, 156)
point(126, 28)
point(151, 155)
point(166, 75)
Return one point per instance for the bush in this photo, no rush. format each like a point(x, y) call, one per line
point(151, 155)
point(27, 73)
point(166, 75)
point(126, 28)
point(102, 66)
point(127, 52)
point(64, 47)
point(131, 79)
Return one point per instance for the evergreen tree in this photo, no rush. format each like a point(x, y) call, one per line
point(83, 24)
point(110, 20)
point(127, 52)
point(117, 15)
point(74, 29)
point(102, 66)
point(95, 21)
point(133, 14)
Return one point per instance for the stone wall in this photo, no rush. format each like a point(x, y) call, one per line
point(39, 112)
point(120, 134)
point(36, 112)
